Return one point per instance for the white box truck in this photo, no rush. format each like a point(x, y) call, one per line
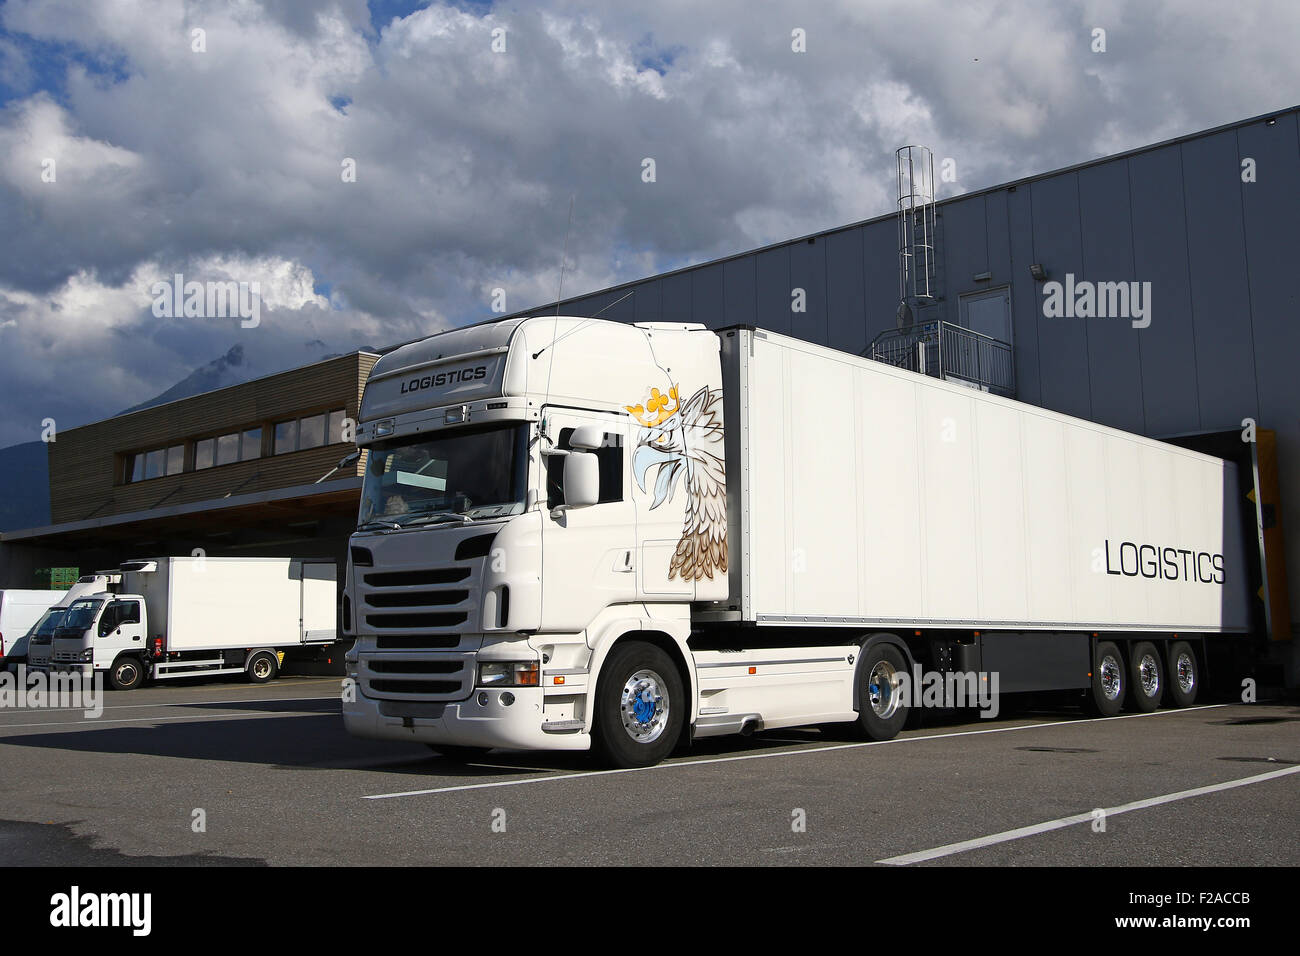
point(579, 533)
point(40, 639)
point(198, 616)
point(20, 610)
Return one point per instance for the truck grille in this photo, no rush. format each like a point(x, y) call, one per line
point(409, 678)
point(411, 622)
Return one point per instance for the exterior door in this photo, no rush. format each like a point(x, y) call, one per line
point(588, 554)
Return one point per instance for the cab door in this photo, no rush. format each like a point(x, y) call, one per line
point(588, 554)
point(121, 627)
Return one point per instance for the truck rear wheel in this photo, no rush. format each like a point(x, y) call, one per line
point(1109, 681)
point(1146, 677)
point(127, 673)
point(639, 706)
point(1184, 678)
point(262, 667)
point(882, 711)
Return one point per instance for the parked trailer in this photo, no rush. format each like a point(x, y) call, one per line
point(190, 616)
point(577, 533)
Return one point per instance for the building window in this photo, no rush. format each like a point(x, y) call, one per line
point(205, 451)
point(175, 459)
point(336, 426)
point(310, 431)
point(286, 437)
point(153, 463)
point(251, 446)
point(228, 449)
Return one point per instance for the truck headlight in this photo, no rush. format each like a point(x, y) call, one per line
point(88, 654)
point(509, 674)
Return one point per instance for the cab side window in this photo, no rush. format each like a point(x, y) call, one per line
point(610, 457)
point(128, 612)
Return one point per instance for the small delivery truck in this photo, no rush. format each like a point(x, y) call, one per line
point(576, 533)
point(198, 616)
point(20, 610)
point(40, 638)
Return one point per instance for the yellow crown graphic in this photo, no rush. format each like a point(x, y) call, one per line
point(656, 409)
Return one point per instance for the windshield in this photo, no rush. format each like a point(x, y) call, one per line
point(44, 628)
point(81, 614)
point(471, 472)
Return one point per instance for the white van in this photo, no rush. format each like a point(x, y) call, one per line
point(19, 610)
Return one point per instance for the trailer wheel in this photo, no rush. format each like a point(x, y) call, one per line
point(1109, 681)
point(1184, 674)
point(882, 711)
point(457, 754)
point(127, 673)
point(262, 667)
point(1146, 677)
point(639, 706)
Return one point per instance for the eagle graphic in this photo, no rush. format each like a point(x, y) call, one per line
point(684, 443)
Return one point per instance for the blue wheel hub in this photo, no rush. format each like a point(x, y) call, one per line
point(643, 709)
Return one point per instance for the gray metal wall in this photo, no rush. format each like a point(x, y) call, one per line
point(1222, 256)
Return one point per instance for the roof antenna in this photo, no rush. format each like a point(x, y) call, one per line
point(559, 294)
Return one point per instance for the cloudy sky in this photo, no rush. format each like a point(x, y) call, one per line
point(133, 148)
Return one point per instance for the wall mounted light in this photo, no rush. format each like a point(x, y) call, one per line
point(1038, 272)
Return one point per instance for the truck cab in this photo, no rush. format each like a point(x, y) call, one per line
point(534, 490)
point(106, 632)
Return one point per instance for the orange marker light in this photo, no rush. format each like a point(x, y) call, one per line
point(559, 680)
point(753, 670)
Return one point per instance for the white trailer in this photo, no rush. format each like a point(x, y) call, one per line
point(189, 616)
point(578, 533)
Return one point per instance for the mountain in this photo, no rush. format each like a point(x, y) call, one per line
point(230, 369)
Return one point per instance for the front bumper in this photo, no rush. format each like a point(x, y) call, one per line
point(465, 723)
point(86, 670)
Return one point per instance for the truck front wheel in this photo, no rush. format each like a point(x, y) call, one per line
point(127, 673)
point(882, 711)
point(639, 706)
point(262, 667)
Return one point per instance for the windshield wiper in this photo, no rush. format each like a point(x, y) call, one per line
point(379, 524)
point(440, 516)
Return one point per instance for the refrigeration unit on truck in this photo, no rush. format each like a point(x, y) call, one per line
point(576, 533)
point(198, 616)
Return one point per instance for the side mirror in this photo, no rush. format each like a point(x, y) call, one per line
point(581, 479)
point(587, 438)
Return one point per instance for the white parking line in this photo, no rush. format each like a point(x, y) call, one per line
point(1021, 832)
point(777, 753)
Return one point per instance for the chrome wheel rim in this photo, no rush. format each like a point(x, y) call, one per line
point(126, 673)
point(882, 690)
point(644, 705)
point(262, 668)
point(1149, 674)
point(1186, 670)
point(1112, 677)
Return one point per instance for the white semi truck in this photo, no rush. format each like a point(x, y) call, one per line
point(198, 616)
point(580, 533)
